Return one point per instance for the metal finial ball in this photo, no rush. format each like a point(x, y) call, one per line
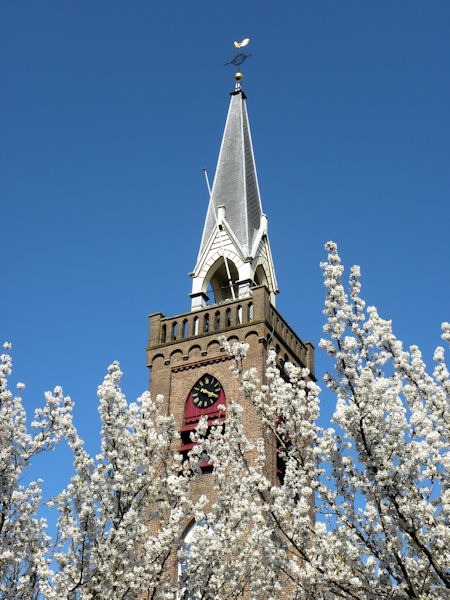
point(238, 76)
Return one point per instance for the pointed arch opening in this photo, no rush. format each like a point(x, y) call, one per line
point(261, 277)
point(219, 286)
point(194, 529)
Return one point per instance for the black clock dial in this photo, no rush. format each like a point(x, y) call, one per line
point(206, 391)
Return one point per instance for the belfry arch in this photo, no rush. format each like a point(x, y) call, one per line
point(261, 277)
point(218, 286)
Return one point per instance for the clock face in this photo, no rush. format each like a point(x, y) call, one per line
point(206, 391)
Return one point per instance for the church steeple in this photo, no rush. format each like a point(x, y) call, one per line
point(234, 251)
point(190, 369)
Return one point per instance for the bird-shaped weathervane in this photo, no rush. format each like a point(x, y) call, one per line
point(244, 42)
point(240, 56)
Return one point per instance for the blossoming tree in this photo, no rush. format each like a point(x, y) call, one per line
point(24, 544)
point(380, 479)
point(362, 511)
point(121, 517)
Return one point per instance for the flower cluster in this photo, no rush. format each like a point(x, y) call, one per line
point(24, 543)
point(360, 510)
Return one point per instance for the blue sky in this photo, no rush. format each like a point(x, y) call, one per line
point(109, 112)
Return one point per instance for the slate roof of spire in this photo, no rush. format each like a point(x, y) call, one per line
point(235, 183)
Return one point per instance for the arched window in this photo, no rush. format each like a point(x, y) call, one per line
point(163, 333)
point(250, 311)
point(217, 320)
point(218, 279)
point(239, 315)
point(195, 326)
point(174, 330)
point(228, 317)
point(206, 323)
point(260, 276)
point(185, 328)
point(190, 534)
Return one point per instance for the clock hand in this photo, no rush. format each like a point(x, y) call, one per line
point(209, 393)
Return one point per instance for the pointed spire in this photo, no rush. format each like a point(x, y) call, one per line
point(234, 242)
point(235, 184)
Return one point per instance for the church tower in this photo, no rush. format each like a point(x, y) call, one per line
point(233, 294)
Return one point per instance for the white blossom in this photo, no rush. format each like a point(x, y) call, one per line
point(24, 543)
point(123, 512)
point(359, 510)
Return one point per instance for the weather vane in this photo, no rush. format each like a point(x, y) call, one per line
point(240, 56)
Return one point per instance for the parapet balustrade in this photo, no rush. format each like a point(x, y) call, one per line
point(228, 316)
point(215, 318)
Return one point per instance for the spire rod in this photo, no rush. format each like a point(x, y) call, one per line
point(238, 60)
point(238, 76)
